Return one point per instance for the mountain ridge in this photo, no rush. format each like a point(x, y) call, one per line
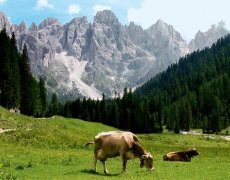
point(113, 56)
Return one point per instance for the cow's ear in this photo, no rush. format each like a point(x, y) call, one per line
point(149, 155)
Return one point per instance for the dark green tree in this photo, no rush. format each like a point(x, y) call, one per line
point(114, 116)
point(36, 98)
point(67, 109)
point(76, 108)
point(43, 97)
point(26, 84)
point(216, 115)
point(85, 110)
point(54, 105)
point(15, 97)
point(6, 71)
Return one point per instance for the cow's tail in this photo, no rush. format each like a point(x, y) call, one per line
point(87, 144)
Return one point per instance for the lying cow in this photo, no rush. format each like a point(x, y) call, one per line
point(181, 155)
point(115, 143)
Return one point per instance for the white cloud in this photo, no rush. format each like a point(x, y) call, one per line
point(99, 7)
point(41, 4)
point(73, 9)
point(2, 1)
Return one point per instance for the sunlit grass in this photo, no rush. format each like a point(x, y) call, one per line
point(53, 148)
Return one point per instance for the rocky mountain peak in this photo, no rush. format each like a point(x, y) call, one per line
point(206, 39)
point(134, 27)
point(33, 27)
point(105, 17)
point(160, 24)
point(79, 20)
point(136, 33)
point(76, 23)
point(48, 22)
point(74, 37)
point(3, 19)
point(22, 27)
point(160, 27)
point(218, 29)
point(4, 22)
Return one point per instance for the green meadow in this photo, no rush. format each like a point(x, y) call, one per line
point(53, 148)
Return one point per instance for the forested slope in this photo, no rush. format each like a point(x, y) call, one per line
point(195, 92)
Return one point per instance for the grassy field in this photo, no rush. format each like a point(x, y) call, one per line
point(53, 148)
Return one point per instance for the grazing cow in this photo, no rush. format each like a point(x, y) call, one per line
point(181, 155)
point(115, 143)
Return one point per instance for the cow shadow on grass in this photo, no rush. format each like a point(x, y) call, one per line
point(90, 171)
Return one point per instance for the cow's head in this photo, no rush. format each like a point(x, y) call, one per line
point(193, 152)
point(147, 161)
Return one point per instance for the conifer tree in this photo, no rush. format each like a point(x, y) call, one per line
point(54, 105)
point(36, 99)
point(76, 108)
point(226, 89)
point(67, 109)
point(114, 116)
point(18, 88)
point(43, 97)
point(6, 72)
point(85, 110)
point(216, 115)
point(15, 75)
point(26, 84)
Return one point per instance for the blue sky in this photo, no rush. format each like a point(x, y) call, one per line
point(187, 16)
point(64, 10)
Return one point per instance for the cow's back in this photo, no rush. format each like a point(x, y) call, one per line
point(112, 143)
point(176, 156)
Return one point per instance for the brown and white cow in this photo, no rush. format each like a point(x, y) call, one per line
point(120, 143)
point(181, 155)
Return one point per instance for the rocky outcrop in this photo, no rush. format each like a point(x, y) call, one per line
point(5, 23)
point(75, 37)
point(206, 39)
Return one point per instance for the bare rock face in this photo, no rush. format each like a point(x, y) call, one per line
point(75, 38)
point(48, 22)
point(89, 59)
point(22, 27)
point(166, 43)
point(206, 39)
point(4, 22)
point(33, 27)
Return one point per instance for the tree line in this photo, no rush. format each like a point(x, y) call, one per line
point(192, 93)
point(19, 90)
point(128, 112)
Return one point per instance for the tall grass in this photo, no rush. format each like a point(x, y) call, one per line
point(53, 148)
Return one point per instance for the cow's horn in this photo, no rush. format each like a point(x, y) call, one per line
point(144, 156)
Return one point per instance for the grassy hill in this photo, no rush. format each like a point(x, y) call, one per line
point(53, 148)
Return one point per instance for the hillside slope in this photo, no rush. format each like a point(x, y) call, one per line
point(195, 92)
point(56, 130)
point(53, 148)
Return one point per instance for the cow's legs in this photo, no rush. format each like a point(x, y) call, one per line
point(124, 162)
point(105, 168)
